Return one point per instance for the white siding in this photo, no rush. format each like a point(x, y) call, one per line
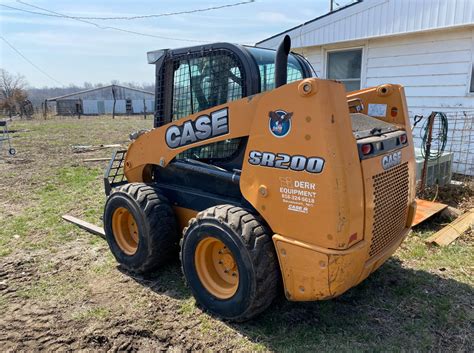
point(377, 18)
point(150, 105)
point(119, 106)
point(89, 107)
point(137, 105)
point(314, 56)
point(434, 67)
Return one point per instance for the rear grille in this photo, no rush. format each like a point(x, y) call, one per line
point(391, 207)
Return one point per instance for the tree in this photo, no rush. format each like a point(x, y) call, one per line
point(12, 92)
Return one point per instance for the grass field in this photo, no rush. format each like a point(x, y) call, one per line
point(60, 288)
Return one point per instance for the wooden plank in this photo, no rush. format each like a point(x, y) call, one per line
point(425, 209)
point(96, 159)
point(453, 230)
point(90, 148)
point(91, 228)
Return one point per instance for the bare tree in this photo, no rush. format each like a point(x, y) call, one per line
point(12, 92)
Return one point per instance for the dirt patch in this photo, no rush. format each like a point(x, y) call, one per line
point(460, 196)
point(111, 312)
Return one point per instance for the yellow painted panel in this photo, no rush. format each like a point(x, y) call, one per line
point(304, 271)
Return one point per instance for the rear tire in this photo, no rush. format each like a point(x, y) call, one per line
point(242, 235)
point(140, 227)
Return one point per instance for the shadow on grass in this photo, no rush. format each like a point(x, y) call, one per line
point(395, 309)
point(167, 280)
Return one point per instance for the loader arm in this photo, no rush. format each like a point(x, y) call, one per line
point(151, 149)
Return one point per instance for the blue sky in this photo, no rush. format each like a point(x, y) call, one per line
point(74, 52)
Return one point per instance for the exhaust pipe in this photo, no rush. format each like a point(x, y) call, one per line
point(281, 61)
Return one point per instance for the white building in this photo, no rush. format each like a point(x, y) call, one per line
point(99, 101)
point(425, 45)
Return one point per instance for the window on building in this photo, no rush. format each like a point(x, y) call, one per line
point(345, 66)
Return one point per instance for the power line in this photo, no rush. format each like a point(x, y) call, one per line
point(153, 15)
point(30, 62)
point(57, 14)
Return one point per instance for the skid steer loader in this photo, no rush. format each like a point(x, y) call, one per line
point(275, 178)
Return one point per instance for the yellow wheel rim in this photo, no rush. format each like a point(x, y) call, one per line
point(125, 230)
point(216, 268)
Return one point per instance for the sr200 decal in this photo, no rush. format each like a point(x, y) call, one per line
point(203, 128)
point(284, 161)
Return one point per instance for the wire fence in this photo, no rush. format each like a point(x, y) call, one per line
point(458, 141)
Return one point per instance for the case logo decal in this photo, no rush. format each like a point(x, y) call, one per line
point(203, 128)
point(279, 123)
point(391, 160)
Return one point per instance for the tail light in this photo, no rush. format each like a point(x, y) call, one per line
point(394, 112)
point(403, 139)
point(366, 149)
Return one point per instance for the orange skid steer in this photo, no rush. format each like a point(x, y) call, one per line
point(257, 173)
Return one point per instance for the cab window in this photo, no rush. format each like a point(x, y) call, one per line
point(265, 59)
point(205, 81)
point(202, 81)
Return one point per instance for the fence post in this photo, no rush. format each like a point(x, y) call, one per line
point(45, 108)
point(78, 108)
point(427, 151)
point(113, 108)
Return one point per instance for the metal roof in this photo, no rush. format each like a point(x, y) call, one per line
point(308, 22)
point(377, 18)
point(99, 89)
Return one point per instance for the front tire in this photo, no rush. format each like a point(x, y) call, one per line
point(140, 227)
point(229, 262)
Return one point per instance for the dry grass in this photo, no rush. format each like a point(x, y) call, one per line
point(61, 289)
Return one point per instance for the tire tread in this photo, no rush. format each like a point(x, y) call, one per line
point(159, 215)
point(257, 239)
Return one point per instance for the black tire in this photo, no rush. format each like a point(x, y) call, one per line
point(250, 242)
point(157, 228)
point(12, 151)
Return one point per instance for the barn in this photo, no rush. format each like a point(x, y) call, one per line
point(101, 100)
point(425, 45)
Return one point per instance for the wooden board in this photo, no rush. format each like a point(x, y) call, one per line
point(91, 228)
point(425, 209)
point(453, 230)
point(96, 159)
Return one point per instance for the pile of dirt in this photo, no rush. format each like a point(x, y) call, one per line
point(460, 196)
